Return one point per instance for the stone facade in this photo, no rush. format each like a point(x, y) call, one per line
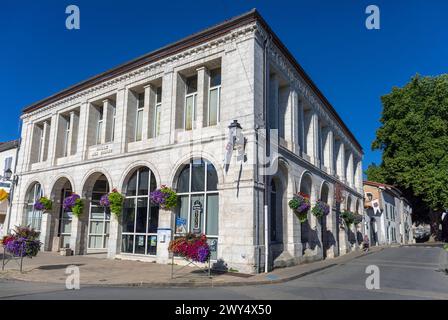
point(391, 222)
point(65, 148)
point(8, 156)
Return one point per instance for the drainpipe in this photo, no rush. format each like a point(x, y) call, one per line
point(267, 151)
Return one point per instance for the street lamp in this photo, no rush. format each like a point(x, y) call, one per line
point(235, 132)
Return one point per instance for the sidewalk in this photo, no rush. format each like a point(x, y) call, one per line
point(96, 270)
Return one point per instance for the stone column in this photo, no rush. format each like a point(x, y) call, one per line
point(83, 130)
point(120, 120)
point(289, 118)
point(350, 167)
point(76, 235)
point(330, 140)
point(114, 246)
point(301, 127)
point(45, 231)
point(296, 124)
point(316, 136)
point(53, 139)
point(342, 162)
point(164, 233)
point(202, 98)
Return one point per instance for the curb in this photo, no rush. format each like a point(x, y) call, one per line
point(211, 284)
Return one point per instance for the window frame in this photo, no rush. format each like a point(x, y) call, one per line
point(135, 198)
point(139, 110)
point(35, 214)
point(157, 113)
point(68, 128)
point(218, 107)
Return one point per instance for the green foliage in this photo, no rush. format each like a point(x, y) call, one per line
point(78, 207)
point(170, 199)
point(348, 217)
point(116, 202)
point(414, 139)
point(375, 173)
point(47, 203)
point(303, 216)
point(293, 203)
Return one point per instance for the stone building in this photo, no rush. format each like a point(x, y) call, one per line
point(162, 119)
point(388, 215)
point(8, 156)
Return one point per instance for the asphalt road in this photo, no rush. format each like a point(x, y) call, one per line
point(405, 273)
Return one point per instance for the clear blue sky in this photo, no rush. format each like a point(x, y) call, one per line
point(350, 64)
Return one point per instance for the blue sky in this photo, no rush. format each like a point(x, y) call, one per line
point(351, 65)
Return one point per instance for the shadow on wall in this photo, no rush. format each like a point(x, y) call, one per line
point(330, 239)
point(314, 239)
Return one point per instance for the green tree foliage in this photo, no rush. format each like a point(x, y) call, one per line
point(414, 140)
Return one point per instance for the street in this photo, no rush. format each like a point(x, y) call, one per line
point(405, 273)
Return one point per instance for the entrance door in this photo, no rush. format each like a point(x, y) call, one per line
point(65, 221)
point(99, 217)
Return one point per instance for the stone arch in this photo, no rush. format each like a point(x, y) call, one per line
point(177, 168)
point(130, 171)
point(59, 181)
point(306, 183)
point(90, 178)
point(324, 194)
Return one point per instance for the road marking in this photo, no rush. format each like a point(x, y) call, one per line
point(402, 292)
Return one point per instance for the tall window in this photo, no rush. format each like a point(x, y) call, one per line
point(190, 102)
point(139, 117)
point(66, 135)
point(214, 97)
point(41, 144)
point(140, 217)
point(33, 216)
point(8, 165)
point(197, 188)
point(157, 111)
point(99, 125)
point(112, 132)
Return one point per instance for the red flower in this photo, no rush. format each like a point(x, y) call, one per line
point(304, 195)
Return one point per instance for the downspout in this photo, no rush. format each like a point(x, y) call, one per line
point(267, 151)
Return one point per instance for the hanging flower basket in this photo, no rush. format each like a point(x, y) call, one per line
point(348, 217)
point(320, 209)
point(114, 201)
point(74, 204)
point(43, 204)
point(192, 247)
point(165, 197)
point(3, 195)
point(23, 243)
point(300, 204)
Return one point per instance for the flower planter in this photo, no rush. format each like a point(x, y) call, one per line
point(164, 197)
point(300, 204)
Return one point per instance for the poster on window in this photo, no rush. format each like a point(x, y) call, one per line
point(197, 213)
point(181, 225)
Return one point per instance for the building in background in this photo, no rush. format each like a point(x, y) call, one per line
point(387, 215)
point(163, 119)
point(8, 157)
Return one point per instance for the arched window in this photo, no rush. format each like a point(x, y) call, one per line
point(198, 208)
point(33, 216)
point(140, 217)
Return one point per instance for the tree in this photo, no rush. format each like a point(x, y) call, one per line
point(414, 140)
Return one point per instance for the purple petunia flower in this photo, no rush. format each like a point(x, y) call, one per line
point(104, 201)
point(70, 201)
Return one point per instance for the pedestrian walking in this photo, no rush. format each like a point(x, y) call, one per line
point(365, 243)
